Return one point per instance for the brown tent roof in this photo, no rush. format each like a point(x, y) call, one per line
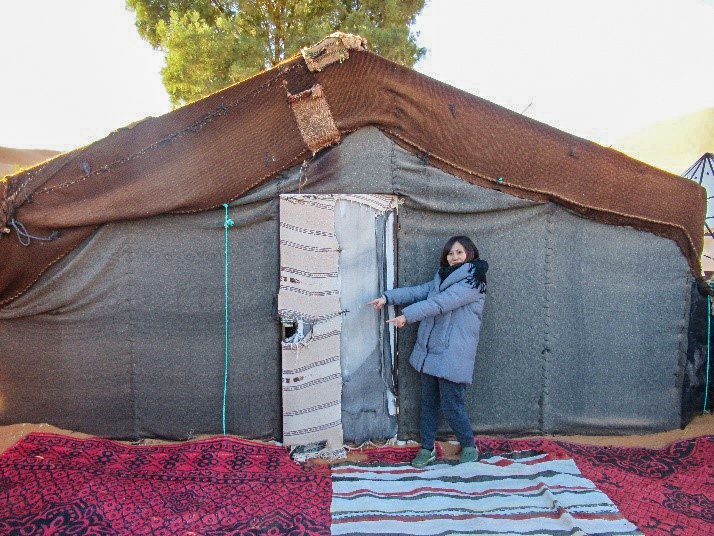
point(216, 149)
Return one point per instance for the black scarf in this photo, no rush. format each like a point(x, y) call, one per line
point(477, 273)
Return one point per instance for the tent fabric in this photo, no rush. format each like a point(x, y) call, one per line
point(310, 295)
point(218, 148)
point(368, 408)
point(586, 327)
point(337, 344)
point(698, 354)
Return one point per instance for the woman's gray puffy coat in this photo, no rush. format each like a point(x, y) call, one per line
point(450, 320)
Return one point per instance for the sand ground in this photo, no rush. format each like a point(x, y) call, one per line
point(700, 426)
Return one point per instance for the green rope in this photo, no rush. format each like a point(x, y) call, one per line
point(709, 335)
point(227, 224)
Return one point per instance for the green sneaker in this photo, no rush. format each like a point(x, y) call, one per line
point(424, 457)
point(468, 454)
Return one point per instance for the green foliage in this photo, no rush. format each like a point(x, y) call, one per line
point(212, 43)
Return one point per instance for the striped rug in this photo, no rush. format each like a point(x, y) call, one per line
point(524, 493)
point(309, 297)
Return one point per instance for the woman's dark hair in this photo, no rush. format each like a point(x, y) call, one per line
point(469, 247)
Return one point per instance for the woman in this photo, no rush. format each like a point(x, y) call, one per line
point(449, 309)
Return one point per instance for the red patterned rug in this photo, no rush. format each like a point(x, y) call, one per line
point(59, 485)
point(662, 491)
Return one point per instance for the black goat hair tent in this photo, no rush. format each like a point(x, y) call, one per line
point(115, 323)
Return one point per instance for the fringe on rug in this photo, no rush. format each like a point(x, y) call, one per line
point(303, 453)
point(391, 442)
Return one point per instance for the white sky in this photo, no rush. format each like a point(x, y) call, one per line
point(72, 71)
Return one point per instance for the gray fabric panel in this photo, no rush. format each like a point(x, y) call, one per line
point(179, 348)
point(365, 413)
point(61, 379)
point(585, 326)
point(361, 164)
point(63, 345)
point(615, 324)
point(141, 307)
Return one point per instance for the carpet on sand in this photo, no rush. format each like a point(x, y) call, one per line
point(59, 485)
point(53, 484)
point(662, 491)
point(524, 492)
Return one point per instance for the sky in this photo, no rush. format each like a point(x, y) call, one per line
point(73, 71)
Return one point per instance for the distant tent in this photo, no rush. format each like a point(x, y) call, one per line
point(702, 171)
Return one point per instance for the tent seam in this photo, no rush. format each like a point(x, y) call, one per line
point(395, 230)
point(9, 205)
point(683, 342)
point(547, 318)
point(301, 157)
point(131, 342)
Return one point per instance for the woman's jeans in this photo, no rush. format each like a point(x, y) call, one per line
point(451, 397)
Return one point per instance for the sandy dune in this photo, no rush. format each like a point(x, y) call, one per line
point(12, 160)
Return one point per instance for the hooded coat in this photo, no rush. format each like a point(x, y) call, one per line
point(449, 313)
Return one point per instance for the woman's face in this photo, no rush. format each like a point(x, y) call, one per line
point(456, 255)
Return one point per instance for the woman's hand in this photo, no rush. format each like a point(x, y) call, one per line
point(399, 321)
point(378, 303)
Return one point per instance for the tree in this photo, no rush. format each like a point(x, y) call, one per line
point(209, 44)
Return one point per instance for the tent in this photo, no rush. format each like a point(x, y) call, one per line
point(194, 272)
point(702, 171)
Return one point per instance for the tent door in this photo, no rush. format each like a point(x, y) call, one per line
point(337, 252)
